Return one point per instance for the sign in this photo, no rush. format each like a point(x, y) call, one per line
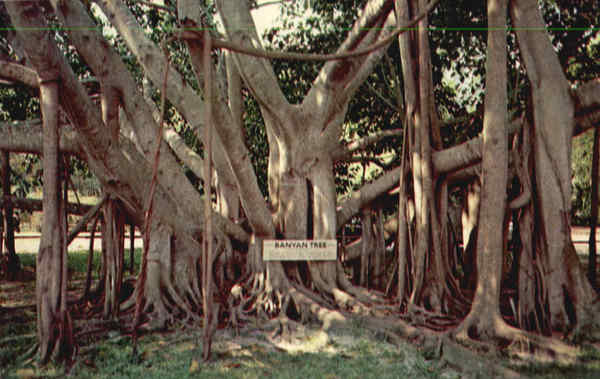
point(300, 250)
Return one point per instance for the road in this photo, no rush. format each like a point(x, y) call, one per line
point(30, 242)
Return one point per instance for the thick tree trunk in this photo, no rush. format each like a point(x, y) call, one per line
point(429, 272)
point(484, 316)
point(54, 324)
point(571, 298)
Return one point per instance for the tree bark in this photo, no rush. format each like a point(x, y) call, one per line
point(470, 227)
point(485, 311)
point(8, 227)
point(54, 324)
point(594, 211)
point(571, 298)
point(113, 257)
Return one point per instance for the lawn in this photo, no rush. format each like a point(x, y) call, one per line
point(352, 351)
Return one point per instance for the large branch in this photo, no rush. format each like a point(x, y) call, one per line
point(15, 72)
point(345, 152)
point(125, 175)
point(35, 205)
point(115, 78)
point(257, 73)
point(26, 137)
point(231, 134)
point(341, 77)
point(365, 195)
point(178, 91)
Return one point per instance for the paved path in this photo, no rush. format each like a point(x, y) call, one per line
point(580, 236)
point(30, 242)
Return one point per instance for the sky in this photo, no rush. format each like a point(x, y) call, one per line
point(265, 16)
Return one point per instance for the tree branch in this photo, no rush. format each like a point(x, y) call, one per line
point(17, 72)
point(231, 135)
point(179, 92)
point(258, 74)
point(26, 137)
point(125, 175)
point(116, 79)
point(345, 152)
point(365, 195)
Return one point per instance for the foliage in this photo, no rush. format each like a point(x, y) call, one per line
point(583, 149)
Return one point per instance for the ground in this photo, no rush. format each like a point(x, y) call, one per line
point(348, 351)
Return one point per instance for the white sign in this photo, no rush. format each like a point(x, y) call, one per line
point(300, 250)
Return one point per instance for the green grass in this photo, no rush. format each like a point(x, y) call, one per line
point(77, 261)
point(161, 356)
point(352, 352)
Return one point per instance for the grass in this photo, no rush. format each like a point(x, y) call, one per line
point(77, 262)
point(168, 356)
point(351, 352)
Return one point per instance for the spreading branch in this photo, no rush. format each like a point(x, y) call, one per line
point(16, 72)
point(344, 152)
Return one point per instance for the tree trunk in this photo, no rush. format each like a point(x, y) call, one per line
point(470, 224)
point(571, 298)
point(113, 258)
point(484, 317)
point(13, 265)
point(429, 274)
point(54, 324)
point(594, 211)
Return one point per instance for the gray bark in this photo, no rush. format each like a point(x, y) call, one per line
point(554, 123)
point(485, 310)
point(54, 329)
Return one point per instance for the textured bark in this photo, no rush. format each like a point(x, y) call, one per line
point(301, 182)
point(425, 254)
point(553, 124)
point(484, 316)
point(121, 169)
point(470, 225)
point(26, 137)
point(54, 324)
point(113, 257)
point(112, 73)
point(180, 93)
point(594, 211)
point(8, 227)
point(231, 135)
point(14, 71)
point(530, 285)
